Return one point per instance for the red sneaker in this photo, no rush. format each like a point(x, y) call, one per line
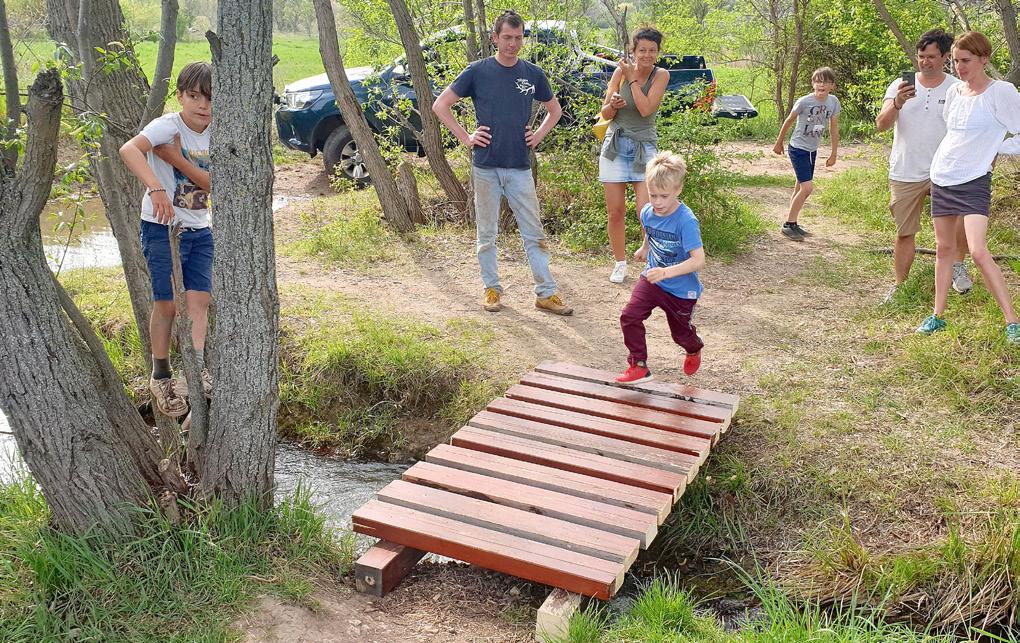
point(635, 374)
point(692, 363)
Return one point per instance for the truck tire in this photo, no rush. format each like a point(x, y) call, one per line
point(340, 155)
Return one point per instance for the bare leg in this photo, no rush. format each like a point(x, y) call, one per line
point(977, 236)
point(961, 240)
point(198, 309)
point(945, 254)
point(616, 210)
point(903, 257)
point(160, 322)
point(800, 194)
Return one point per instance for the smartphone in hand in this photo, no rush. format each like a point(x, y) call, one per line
point(909, 77)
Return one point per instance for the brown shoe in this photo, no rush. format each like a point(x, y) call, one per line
point(166, 399)
point(491, 301)
point(554, 305)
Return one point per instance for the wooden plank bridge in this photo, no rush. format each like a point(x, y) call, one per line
point(560, 482)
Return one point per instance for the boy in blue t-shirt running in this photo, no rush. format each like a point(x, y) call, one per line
point(670, 282)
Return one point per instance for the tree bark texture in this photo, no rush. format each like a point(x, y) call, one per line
point(83, 442)
point(906, 45)
point(393, 205)
point(10, 69)
point(484, 31)
point(431, 136)
point(120, 95)
point(1007, 11)
point(471, 29)
point(409, 188)
point(800, 9)
point(156, 100)
point(236, 461)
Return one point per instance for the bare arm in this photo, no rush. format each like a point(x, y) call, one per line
point(891, 107)
point(133, 154)
point(693, 263)
point(443, 108)
point(554, 111)
point(647, 105)
point(787, 124)
point(171, 153)
point(834, 137)
point(610, 105)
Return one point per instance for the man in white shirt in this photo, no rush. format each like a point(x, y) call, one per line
point(915, 111)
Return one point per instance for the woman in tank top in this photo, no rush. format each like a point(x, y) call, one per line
point(979, 112)
point(632, 100)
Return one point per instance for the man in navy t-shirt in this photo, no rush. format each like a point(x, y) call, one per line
point(503, 88)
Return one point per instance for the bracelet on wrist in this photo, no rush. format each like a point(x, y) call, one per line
point(151, 190)
point(898, 107)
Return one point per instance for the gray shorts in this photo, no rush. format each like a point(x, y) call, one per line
point(972, 197)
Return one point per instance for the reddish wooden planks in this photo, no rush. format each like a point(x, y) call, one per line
point(382, 567)
point(616, 411)
point(629, 396)
point(590, 513)
point(694, 394)
point(505, 553)
point(571, 460)
point(580, 422)
point(543, 477)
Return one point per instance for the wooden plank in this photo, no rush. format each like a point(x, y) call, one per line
point(602, 426)
point(509, 520)
point(506, 553)
point(590, 513)
point(589, 442)
point(383, 566)
point(629, 396)
point(567, 482)
point(617, 411)
point(692, 393)
point(571, 460)
point(552, 623)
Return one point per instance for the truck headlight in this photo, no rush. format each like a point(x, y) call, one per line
point(298, 100)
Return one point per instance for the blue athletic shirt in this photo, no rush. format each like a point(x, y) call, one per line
point(670, 241)
point(503, 98)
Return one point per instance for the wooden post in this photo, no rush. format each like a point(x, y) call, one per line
point(382, 567)
point(553, 618)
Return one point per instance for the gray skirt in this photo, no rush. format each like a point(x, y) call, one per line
point(972, 197)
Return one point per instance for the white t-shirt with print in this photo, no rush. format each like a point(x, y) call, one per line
point(919, 129)
point(191, 203)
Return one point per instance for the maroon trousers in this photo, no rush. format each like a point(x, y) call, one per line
point(645, 298)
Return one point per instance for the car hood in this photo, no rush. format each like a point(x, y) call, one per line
point(322, 80)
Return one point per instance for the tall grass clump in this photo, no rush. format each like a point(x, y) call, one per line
point(338, 231)
point(362, 381)
point(167, 582)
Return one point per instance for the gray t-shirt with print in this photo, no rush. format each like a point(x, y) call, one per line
point(812, 119)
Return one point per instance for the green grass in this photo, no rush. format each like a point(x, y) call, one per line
point(345, 231)
point(166, 583)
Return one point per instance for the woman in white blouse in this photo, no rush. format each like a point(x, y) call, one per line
point(979, 112)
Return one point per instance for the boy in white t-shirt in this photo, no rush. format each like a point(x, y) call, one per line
point(915, 111)
point(171, 158)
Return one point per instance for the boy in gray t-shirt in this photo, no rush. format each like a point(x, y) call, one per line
point(812, 114)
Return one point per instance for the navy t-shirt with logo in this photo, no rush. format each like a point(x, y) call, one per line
point(503, 98)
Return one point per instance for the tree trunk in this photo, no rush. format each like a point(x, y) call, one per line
point(800, 8)
point(890, 22)
point(471, 27)
point(431, 136)
point(409, 188)
point(237, 459)
point(1007, 11)
point(9, 155)
point(164, 63)
point(120, 95)
point(393, 206)
point(83, 442)
point(484, 29)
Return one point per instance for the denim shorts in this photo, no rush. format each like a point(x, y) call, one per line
point(196, 259)
point(621, 169)
point(803, 163)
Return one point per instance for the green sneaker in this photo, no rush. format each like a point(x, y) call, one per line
point(931, 325)
point(1013, 333)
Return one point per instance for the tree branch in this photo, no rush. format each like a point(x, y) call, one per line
point(10, 68)
point(164, 63)
point(908, 48)
point(45, 98)
point(1007, 11)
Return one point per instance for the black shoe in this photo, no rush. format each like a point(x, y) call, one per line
point(792, 231)
point(801, 229)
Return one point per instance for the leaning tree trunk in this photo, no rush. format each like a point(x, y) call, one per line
point(88, 449)
point(484, 39)
point(236, 462)
point(431, 136)
point(890, 22)
point(10, 69)
point(393, 205)
point(122, 95)
point(471, 29)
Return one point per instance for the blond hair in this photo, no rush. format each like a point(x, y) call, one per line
point(666, 170)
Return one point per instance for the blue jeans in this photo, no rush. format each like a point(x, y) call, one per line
point(519, 188)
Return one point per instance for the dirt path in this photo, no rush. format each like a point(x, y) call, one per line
point(753, 318)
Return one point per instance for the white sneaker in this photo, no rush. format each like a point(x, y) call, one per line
point(619, 272)
point(891, 294)
point(961, 280)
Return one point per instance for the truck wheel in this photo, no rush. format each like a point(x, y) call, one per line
point(340, 155)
